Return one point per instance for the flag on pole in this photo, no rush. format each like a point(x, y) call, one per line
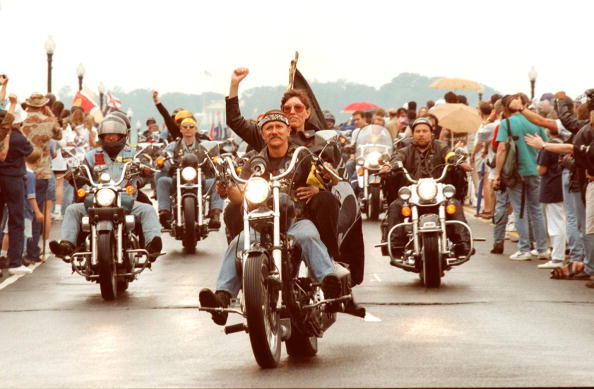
point(113, 101)
point(212, 135)
point(86, 100)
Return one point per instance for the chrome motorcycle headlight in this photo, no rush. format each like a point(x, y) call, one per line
point(404, 193)
point(449, 191)
point(189, 173)
point(427, 189)
point(104, 178)
point(373, 159)
point(105, 197)
point(257, 190)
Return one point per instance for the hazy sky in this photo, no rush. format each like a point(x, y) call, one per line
point(169, 45)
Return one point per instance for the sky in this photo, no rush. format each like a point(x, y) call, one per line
point(193, 46)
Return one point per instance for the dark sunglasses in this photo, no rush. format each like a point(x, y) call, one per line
point(188, 126)
point(297, 108)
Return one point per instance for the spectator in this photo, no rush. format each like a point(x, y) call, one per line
point(39, 127)
point(393, 122)
point(12, 172)
point(524, 195)
point(430, 104)
point(551, 195)
point(481, 154)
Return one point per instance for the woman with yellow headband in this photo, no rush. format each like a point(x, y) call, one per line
point(187, 144)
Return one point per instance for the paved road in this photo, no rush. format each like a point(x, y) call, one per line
point(493, 322)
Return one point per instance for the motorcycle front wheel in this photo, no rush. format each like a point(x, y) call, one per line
point(262, 317)
point(107, 266)
point(189, 239)
point(431, 261)
point(374, 203)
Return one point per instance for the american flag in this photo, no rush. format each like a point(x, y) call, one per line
point(113, 101)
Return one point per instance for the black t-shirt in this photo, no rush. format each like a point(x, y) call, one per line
point(551, 189)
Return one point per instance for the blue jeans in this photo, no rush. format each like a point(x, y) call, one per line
point(33, 249)
point(532, 210)
point(147, 215)
point(68, 196)
point(313, 253)
point(575, 237)
point(12, 193)
point(164, 189)
point(501, 215)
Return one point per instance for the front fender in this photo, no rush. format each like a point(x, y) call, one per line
point(104, 225)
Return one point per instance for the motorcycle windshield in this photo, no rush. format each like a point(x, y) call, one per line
point(373, 138)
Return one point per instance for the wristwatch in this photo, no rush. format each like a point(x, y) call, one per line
point(544, 146)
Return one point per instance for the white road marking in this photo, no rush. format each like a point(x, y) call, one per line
point(12, 279)
point(377, 278)
point(371, 318)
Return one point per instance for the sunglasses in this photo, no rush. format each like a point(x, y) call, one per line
point(297, 108)
point(188, 126)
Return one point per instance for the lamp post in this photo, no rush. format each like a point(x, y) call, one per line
point(481, 92)
point(50, 47)
point(133, 130)
point(101, 93)
point(532, 77)
point(80, 72)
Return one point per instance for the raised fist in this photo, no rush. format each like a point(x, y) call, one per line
point(3, 79)
point(12, 98)
point(156, 97)
point(239, 74)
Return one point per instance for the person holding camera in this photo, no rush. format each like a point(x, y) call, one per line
point(524, 193)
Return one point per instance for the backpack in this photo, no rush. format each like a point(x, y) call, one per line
point(511, 165)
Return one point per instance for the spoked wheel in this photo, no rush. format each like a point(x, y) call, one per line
point(107, 266)
point(431, 261)
point(189, 239)
point(374, 203)
point(262, 317)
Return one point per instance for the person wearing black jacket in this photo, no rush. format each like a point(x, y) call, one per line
point(171, 122)
point(12, 188)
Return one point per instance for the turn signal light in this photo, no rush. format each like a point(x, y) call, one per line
point(215, 159)
point(81, 193)
point(160, 161)
point(130, 190)
point(238, 170)
point(451, 209)
point(406, 211)
point(360, 172)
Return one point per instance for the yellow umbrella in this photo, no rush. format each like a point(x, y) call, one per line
point(457, 117)
point(455, 83)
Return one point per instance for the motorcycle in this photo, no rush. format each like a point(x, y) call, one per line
point(278, 299)
point(190, 201)
point(428, 250)
point(111, 238)
point(374, 145)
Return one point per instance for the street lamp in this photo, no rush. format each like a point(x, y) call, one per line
point(50, 47)
point(532, 77)
point(101, 93)
point(80, 72)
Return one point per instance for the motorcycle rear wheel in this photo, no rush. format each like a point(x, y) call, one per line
point(431, 261)
point(189, 239)
point(107, 266)
point(262, 318)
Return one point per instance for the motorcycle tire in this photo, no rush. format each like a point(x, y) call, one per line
point(189, 215)
point(107, 266)
point(263, 320)
point(431, 261)
point(374, 203)
point(301, 345)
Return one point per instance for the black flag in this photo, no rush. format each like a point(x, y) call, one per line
point(316, 120)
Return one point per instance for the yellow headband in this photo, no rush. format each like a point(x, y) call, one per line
point(188, 120)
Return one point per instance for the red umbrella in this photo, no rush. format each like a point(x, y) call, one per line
point(360, 106)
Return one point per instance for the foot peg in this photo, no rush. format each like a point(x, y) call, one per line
point(235, 328)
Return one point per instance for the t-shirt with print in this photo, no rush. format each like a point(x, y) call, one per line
point(520, 127)
point(551, 189)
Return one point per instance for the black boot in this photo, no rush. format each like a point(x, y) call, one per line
point(337, 283)
point(154, 248)
point(220, 299)
point(497, 248)
point(62, 249)
point(165, 218)
point(215, 219)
